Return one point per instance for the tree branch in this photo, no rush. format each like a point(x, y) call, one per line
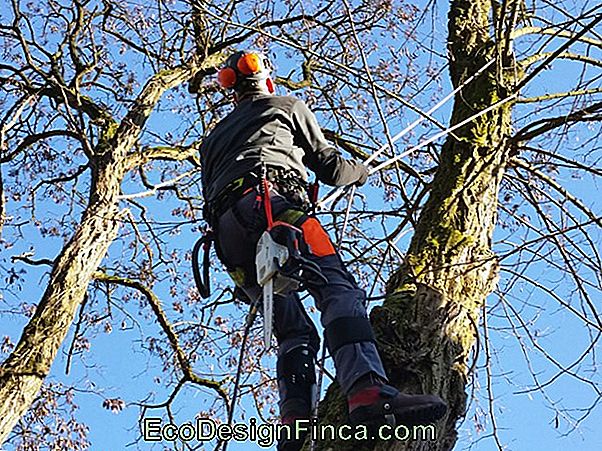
point(545, 125)
point(155, 304)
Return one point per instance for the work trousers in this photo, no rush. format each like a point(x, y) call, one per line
point(238, 231)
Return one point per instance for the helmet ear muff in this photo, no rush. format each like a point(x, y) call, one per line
point(226, 77)
point(250, 64)
point(241, 67)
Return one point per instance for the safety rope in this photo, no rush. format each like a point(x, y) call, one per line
point(337, 191)
point(322, 365)
point(447, 131)
point(249, 322)
point(418, 121)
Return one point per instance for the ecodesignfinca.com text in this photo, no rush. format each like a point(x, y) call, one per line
point(266, 434)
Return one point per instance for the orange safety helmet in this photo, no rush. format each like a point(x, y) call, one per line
point(243, 68)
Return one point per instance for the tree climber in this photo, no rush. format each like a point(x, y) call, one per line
point(281, 135)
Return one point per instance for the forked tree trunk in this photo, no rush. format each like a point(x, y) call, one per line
point(428, 323)
point(22, 374)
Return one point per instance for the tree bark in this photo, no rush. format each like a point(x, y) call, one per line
point(427, 325)
point(22, 374)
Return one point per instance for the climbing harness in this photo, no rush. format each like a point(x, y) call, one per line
point(280, 256)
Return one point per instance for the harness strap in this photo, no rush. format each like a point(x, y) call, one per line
point(267, 203)
point(287, 182)
point(228, 196)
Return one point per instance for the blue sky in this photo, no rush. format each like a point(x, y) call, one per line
point(119, 367)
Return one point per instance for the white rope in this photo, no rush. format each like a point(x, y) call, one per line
point(336, 192)
point(418, 121)
point(447, 131)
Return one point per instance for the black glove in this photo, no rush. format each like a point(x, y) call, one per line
point(362, 175)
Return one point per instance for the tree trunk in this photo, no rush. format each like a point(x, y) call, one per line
point(22, 374)
point(428, 323)
point(2, 203)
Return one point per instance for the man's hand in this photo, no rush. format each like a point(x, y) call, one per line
point(363, 175)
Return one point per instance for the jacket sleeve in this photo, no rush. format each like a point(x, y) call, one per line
point(322, 158)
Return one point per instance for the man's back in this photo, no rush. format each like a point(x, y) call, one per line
point(259, 130)
point(278, 131)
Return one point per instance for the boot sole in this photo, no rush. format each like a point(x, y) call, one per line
point(412, 416)
point(421, 415)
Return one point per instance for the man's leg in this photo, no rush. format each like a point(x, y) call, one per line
point(351, 342)
point(298, 343)
point(347, 329)
point(298, 339)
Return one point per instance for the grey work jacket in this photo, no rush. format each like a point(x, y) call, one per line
point(277, 131)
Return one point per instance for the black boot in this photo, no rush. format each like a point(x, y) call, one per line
point(375, 402)
point(391, 406)
point(297, 385)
